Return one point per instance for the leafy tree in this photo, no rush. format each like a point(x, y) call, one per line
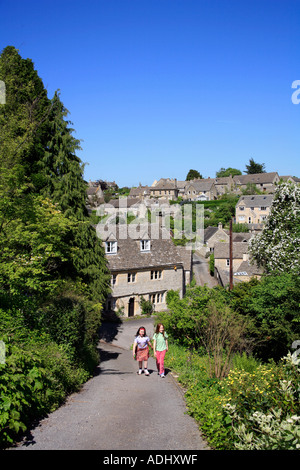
point(276, 248)
point(38, 156)
point(193, 174)
point(227, 172)
point(272, 306)
point(254, 167)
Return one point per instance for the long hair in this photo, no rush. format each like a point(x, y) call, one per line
point(138, 331)
point(157, 328)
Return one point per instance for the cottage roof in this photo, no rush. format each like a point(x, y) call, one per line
point(223, 180)
point(129, 256)
point(221, 250)
point(256, 178)
point(201, 184)
point(241, 236)
point(139, 191)
point(120, 203)
point(291, 178)
point(256, 200)
point(165, 184)
point(248, 269)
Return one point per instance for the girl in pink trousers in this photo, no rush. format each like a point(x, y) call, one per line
point(160, 347)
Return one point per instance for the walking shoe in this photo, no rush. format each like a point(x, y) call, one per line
point(162, 375)
point(140, 371)
point(146, 372)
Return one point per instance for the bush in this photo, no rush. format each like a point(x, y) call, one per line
point(37, 374)
point(146, 306)
point(264, 407)
point(34, 380)
point(256, 407)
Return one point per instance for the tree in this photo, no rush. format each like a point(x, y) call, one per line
point(272, 306)
point(254, 167)
point(38, 158)
point(227, 172)
point(193, 174)
point(276, 248)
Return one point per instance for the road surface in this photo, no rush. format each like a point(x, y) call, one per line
point(118, 409)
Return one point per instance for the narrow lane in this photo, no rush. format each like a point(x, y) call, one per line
point(201, 272)
point(118, 409)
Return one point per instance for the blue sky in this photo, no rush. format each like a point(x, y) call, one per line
point(158, 87)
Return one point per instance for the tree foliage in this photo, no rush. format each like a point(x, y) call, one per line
point(254, 167)
point(277, 247)
point(227, 172)
point(193, 174)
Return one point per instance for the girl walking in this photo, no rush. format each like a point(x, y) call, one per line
point(141, 349)
point(160, 347)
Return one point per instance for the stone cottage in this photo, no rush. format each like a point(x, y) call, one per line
point(144, 262)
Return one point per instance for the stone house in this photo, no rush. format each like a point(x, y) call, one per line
point(290, 179)
point(265, 182)
point(213, 235)
point(140, 192)
point(144, 262)
point(200, 190)
point(166, 188)
point(221, 254)
point(253, 209)
point(243, 269)
point(94, 194)
point(224, 185)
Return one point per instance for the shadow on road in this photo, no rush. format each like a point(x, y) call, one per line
point(109, 331)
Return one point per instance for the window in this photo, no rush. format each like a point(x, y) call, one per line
point(145, 245)
point(131, 277)
point(155, 275)
point(242, 208)
point(157, 298)
point(263, 208)
point(228, 262)
point(113, 280)
point(110, 247)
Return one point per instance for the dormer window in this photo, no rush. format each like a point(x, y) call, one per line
point(145, 245)
point(110, 247)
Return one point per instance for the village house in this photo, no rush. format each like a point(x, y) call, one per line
point(165, 187)
point(140, 192)
point(144, 262)
point(224, 185)
point(290, 179)
point(264, 182)
point(253, 209)
point(94, 194)
point(200, 190)
point(243, 269)
point(213, 235)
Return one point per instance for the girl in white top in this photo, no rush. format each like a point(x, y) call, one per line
point(141, 349)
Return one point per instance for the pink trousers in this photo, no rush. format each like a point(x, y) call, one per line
point(160, 357)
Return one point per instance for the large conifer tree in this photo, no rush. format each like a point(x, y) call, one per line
point(38, 157)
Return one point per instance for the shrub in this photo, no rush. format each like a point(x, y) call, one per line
point(264, 407)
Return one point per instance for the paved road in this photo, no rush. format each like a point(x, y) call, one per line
point(201, 272)
point(118, 409)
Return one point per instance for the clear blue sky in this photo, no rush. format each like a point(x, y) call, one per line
point(157, 87)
